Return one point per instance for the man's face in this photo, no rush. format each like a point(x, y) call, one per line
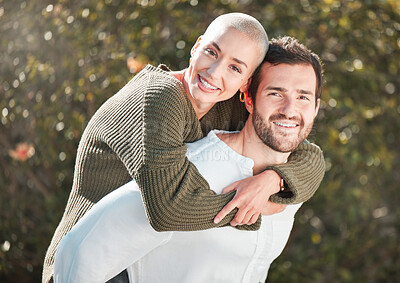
point(285, 106)
point(222, 62)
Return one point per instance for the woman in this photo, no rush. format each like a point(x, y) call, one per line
point(141, 133)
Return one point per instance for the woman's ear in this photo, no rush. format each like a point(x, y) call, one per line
point(248, 101)
point(194, 48)
point(245, 87)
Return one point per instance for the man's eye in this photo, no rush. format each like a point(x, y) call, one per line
point(303, 97)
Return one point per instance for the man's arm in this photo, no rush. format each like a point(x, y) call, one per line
point(111, 236)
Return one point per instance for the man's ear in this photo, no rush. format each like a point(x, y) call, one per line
point(249, 103)
point(317, 107)
point(194, 48)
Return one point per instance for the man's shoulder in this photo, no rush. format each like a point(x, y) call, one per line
point(208, 144)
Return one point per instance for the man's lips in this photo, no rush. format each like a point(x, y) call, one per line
point(206, 84)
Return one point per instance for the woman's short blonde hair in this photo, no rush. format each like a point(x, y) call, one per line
point(246, 24)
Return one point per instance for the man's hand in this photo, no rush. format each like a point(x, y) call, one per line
point(252, 195)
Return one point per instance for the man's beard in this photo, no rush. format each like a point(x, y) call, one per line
point(287, 142)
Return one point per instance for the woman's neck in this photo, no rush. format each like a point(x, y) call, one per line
point(201, 110)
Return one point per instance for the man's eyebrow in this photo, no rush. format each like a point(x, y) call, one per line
point(303, 91)
point(234, 59)
point(281, 89)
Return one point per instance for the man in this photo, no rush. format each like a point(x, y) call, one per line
point(283, 100)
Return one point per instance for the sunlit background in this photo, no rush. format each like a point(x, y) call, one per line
point(60, 60)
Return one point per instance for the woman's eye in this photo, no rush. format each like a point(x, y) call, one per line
point(236, 69)
point(211, 52)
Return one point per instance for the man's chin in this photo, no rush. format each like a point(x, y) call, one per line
point(284, 147)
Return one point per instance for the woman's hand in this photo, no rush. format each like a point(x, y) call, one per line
point(252, 195)
point(272, 208)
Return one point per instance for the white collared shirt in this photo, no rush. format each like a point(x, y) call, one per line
point(115, 234)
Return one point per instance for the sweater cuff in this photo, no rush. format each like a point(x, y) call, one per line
point(302, 173)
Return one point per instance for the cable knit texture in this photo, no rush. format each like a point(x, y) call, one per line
point(140, 133)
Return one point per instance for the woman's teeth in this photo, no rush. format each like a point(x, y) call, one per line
point(206, 84)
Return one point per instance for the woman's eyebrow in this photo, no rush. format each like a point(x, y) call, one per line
point(239, 62)
point(216, 46)
point(213, 43)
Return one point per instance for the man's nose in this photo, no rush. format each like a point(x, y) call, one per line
point(288, 108)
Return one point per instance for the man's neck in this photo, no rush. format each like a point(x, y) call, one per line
point(247, 143)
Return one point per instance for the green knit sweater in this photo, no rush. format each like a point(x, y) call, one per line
point(140, 133)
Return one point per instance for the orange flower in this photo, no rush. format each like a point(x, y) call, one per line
point(22, 152)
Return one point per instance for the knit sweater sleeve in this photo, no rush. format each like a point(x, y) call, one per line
point(152, 148)
point(302, 173)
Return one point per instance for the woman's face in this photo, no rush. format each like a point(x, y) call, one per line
point(222, 62)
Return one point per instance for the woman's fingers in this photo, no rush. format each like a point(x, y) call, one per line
point(246, 217)
point(229, 188)
point(225, 211)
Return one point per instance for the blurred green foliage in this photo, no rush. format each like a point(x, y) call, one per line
point(60, 60)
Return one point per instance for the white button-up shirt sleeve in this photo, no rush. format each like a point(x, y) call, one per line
point(95, 251)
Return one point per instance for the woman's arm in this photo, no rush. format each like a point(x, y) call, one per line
point(306, 168)
point(148, 136)
point(303, 173)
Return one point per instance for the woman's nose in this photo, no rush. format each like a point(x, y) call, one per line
point(215, 70)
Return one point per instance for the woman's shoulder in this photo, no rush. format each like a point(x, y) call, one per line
point(158, 83)
point(161, 91)
point(152, 89)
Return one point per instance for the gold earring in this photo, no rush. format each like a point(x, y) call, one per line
point(241, 96)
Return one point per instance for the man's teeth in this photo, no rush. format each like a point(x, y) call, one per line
point(286, 125)
point(206, 84)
